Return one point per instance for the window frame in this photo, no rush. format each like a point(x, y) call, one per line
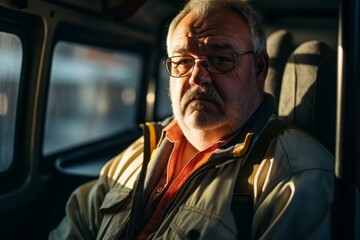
point(13, 174)
point(104, 146)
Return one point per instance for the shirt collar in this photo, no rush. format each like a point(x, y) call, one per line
point(174, 133)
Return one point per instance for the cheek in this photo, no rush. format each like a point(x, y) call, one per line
point(175, 90)
point(238, 89)
point(233, 86)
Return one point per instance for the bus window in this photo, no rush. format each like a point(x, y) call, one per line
point(92, 94)
point(163, 105)
point(11, 56)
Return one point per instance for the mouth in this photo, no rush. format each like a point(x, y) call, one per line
point(202, 99)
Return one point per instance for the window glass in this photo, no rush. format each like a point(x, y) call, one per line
point(92, 94)
point(163, 108)
point(11, 55)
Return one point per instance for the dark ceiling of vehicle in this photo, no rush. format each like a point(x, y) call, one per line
point(296, 5)
point(149, 13)
point(127, 7)
point(153, 11)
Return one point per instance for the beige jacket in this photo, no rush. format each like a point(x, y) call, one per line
point(293, 191)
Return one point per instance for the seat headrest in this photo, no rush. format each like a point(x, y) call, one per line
point(279, 46)
point(297, 96)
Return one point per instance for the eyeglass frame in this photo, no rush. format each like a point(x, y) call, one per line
point(202, 58)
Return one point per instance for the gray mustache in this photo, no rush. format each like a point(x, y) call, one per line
point(202, 92)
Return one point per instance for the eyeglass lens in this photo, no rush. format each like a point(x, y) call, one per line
point(180, 66)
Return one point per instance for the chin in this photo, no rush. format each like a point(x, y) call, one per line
point(204, 122)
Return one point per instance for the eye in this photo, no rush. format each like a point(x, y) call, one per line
point(219, 59)
point(182, 61)
point(220, 62)
point(181, 65)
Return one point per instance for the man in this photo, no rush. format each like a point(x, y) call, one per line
point(217, 65)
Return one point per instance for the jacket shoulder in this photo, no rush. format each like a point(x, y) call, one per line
point(124, 168)
point(302, 151)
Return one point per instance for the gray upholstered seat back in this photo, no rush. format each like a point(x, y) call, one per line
point(298, 89)
point(279, 46)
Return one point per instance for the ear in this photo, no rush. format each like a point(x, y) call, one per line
point(261, 67)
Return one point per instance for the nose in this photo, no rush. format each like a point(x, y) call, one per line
point(200, 75)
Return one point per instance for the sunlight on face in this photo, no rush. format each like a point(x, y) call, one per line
point(213, 103)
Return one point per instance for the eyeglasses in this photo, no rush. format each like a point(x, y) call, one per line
point(182, 66)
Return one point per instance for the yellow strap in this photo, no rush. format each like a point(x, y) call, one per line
point(239, 151)
point(152, 134)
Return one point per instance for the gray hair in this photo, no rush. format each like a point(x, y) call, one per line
point(205, 7)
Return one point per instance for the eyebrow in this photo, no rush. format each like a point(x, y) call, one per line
point(217, 46)
point(211, 47)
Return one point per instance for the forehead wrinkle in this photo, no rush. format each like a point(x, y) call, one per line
point(211, 39)
point(188, 41)
point(187, 44)
point(202, 47)
point(198, 36)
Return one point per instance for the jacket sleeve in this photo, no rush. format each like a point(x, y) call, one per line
point(82, 220)
point(293, 190)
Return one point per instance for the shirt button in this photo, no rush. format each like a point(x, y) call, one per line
point(193, 234)
point(159, 189)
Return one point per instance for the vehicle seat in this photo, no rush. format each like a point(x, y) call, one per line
point(304, 100)
point(279, 47)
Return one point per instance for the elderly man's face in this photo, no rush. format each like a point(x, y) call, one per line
point(203, 101)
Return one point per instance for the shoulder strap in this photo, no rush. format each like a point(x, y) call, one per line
point(151, 133)
point(243, 201)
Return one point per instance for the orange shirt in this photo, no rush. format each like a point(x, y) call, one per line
point(173, 179)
